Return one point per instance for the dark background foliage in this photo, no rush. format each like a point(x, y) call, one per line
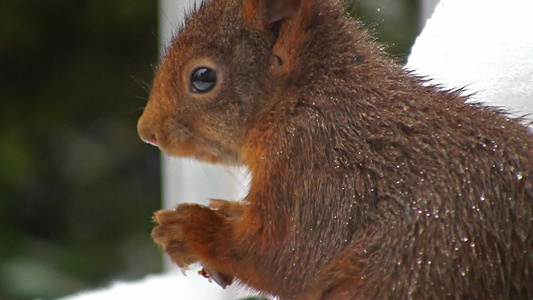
point(77, 186)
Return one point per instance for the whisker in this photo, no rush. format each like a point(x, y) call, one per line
point(144, 98)
point(143, 84)
point(137, 111)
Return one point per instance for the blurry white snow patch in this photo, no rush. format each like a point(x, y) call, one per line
point(171, 286)
point(483, 45)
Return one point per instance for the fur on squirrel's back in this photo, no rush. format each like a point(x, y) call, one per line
point(355, 162)
point(437, 191)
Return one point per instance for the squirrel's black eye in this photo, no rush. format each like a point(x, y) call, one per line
point(203, 80)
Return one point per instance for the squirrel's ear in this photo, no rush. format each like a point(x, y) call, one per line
point(288, 19)
point(267, 13)
point(277, 10)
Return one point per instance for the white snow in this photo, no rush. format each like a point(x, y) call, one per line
point(485, 45)
point(170, 286)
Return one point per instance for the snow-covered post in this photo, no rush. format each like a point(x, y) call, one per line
point(483, 45)
point(427, 8)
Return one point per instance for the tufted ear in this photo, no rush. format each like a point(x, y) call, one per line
point(268, 13)
point(288, 20)
point(278, 10)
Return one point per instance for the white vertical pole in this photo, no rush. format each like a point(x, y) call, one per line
point(186, 180)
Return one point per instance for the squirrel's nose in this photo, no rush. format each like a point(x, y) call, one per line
point(146, 132)
point(152, 141)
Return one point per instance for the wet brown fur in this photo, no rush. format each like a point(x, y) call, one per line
point(366, 183)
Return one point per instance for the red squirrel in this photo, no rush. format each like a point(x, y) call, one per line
point(366, 182)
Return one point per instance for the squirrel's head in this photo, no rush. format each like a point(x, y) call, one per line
point(213, 81)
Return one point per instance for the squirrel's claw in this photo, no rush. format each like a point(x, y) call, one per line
point(221, 279)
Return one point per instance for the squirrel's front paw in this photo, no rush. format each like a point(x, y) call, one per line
point(169, 235)
point(186, 232)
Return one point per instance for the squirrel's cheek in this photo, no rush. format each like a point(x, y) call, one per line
point(186, 149)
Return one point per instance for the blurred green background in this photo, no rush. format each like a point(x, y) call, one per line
point(77, 186)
